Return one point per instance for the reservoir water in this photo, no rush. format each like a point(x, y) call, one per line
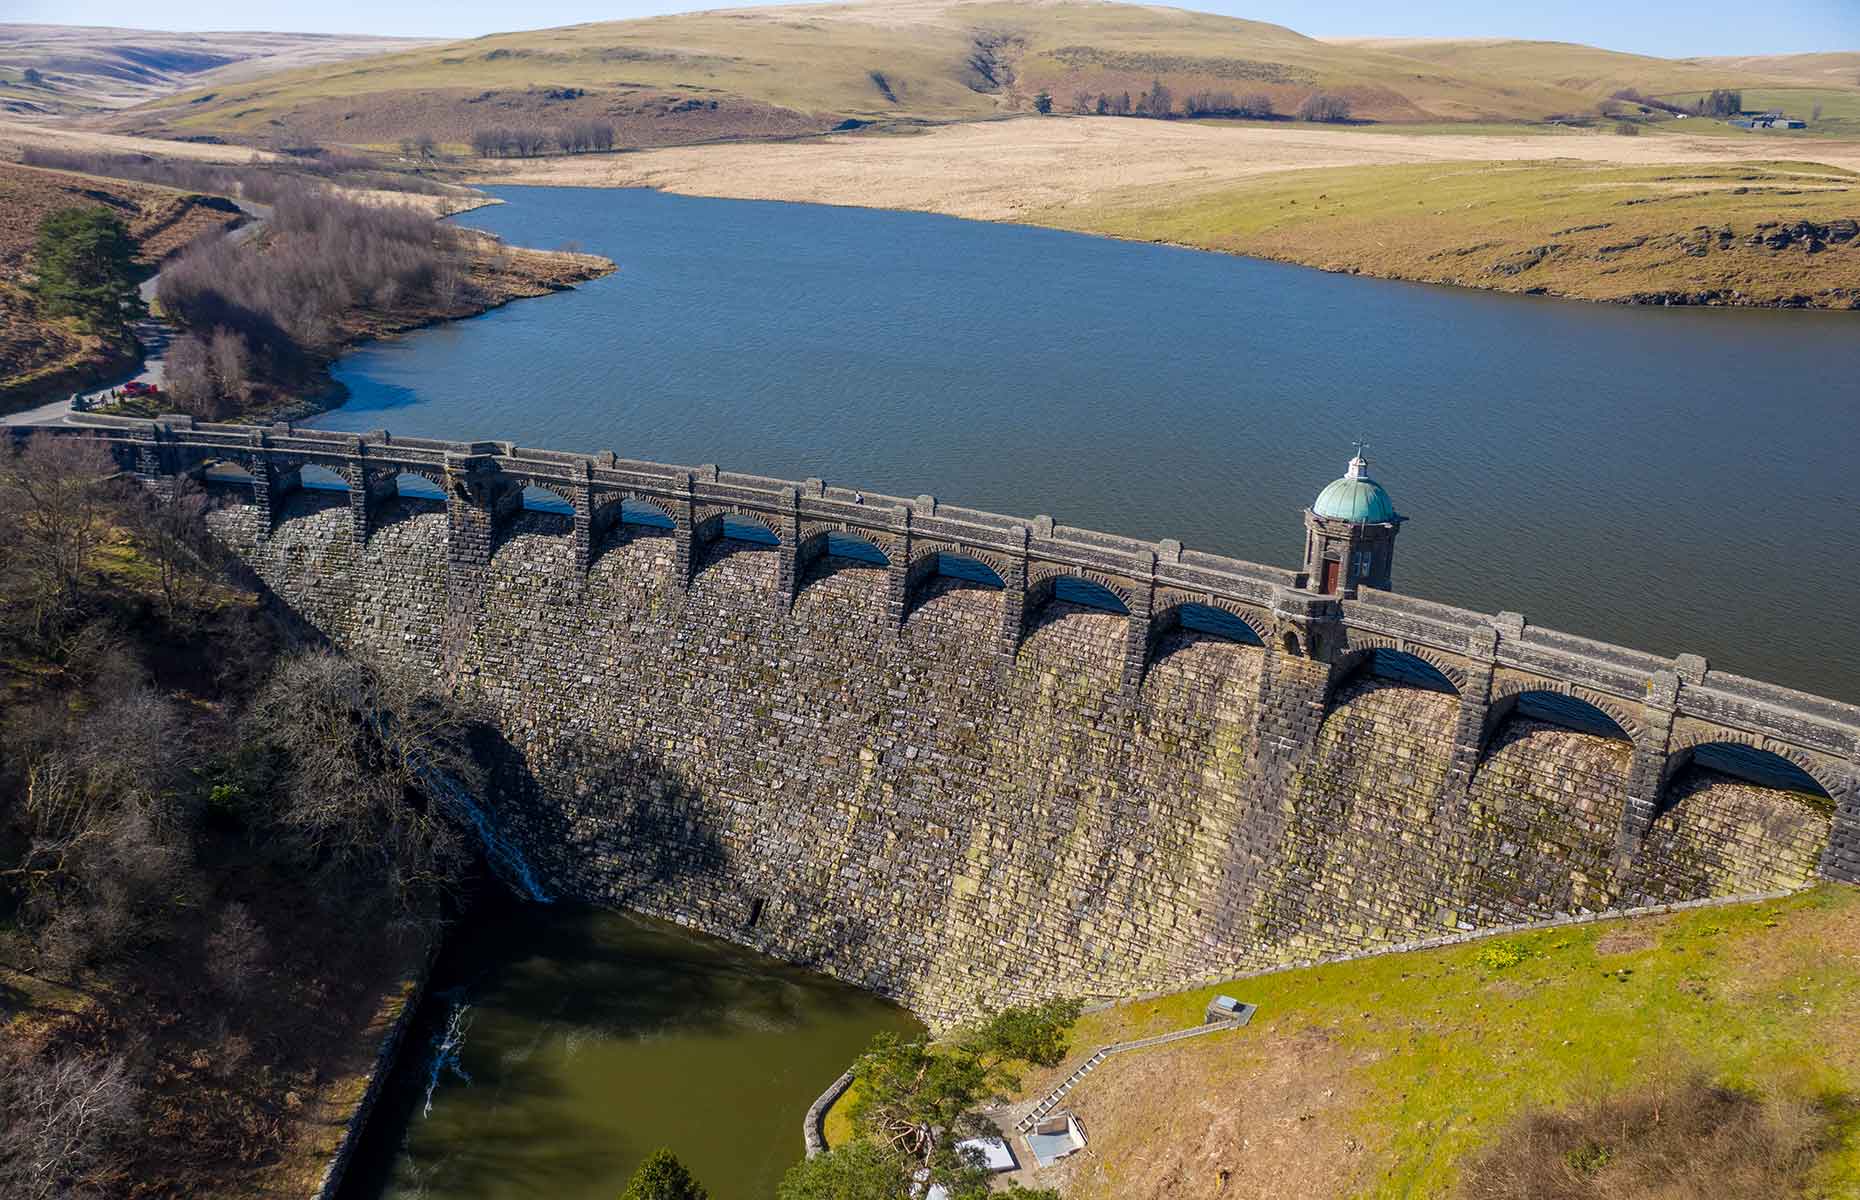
point(559, 1046)
point(1675, 480)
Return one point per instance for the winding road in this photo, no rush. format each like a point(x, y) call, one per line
point(151, 333)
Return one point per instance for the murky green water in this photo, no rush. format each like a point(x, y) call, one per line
point(589, 1039)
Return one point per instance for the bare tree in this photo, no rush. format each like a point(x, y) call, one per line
point(373, 760)
point(62, 1115)
point(1324, 106)
point(188, 372)
point(1814, 114)
point(236, 950)
point(54, 510)
point(230, 361)
point(1081, 103)
point(99, 860)
point(173, 535)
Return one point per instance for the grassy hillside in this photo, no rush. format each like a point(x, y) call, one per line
point(695, 76)
point(1385, 1077)
point(1745, 233)
point(1587, 70)
point(1795, 83)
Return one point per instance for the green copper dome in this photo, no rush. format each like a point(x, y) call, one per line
point(1356, 498)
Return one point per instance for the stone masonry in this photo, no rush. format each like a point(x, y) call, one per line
point(962, 794)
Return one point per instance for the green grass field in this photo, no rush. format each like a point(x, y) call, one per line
point(1418, 1059)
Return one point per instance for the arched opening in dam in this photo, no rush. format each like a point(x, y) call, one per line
point(1389, 667)
point(1562, 710)
point(1735, 817)
point(315, 478)
point(543, 500)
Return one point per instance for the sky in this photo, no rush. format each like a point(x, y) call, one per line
point(1669, 28)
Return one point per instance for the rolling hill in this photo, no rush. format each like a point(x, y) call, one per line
point(783, 70)
point(78, 69)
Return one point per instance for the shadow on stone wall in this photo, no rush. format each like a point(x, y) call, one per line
point(613, 824)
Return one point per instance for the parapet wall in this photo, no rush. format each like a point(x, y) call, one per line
point(961, 794)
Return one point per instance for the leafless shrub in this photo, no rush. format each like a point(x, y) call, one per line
point(1324, 106)
point(366, 751)
point(55, 502)
point(173, 535)
point(1689, 1139)
point(236, 950)
point(326, 256)
point(62, 1116)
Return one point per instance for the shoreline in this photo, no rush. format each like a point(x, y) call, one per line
point(1641, 300)
point(1717, 299)
point(330, 393)
point(551, 271)
point(1568, 216)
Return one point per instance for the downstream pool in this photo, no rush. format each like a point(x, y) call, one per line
point(561, 1045)
point(1674, 480)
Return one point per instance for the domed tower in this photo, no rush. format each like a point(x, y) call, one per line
point(1350, 534)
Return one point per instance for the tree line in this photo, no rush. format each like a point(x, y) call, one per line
point(266, 312)
point(1158, 101)
point(580, 138)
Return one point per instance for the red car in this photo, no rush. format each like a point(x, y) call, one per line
point(139, 388)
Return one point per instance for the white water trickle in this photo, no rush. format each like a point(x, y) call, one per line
point(448, 1048)
point(503, 855)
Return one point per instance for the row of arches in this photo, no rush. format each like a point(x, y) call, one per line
point(1723, 751)
point(834, 548)
point(825, 549)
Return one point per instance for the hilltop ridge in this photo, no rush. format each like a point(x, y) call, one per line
point(799, 69)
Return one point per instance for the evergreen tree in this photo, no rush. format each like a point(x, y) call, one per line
point(1043, 103)
point(857, 1171)
point(85, 261)
point(663, 1177)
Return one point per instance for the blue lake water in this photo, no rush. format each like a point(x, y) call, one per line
point(1676, 480)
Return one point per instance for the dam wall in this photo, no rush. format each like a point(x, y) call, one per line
point(968, 760)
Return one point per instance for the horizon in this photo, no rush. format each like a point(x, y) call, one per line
point(1711, 28)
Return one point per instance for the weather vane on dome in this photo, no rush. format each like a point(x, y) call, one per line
point(1359, 463)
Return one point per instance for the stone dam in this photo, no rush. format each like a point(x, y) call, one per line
point(965, 759)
